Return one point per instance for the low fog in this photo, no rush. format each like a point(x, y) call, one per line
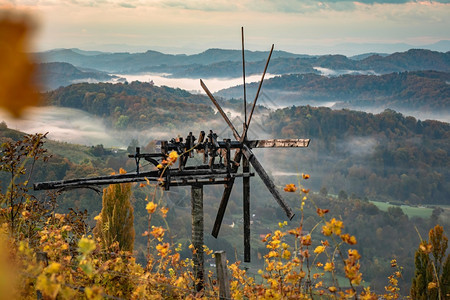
point(190, 84)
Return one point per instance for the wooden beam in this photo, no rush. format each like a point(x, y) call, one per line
point(278, 143)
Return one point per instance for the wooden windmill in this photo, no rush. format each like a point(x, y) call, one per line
point(218, 168)
point(248, 158)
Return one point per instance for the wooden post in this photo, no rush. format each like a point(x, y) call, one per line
point(222, 275)
point(197, 235)
point(246, 209)
point(41, 257)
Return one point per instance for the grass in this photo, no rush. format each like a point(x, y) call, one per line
point(74, 153)
point(410, 211)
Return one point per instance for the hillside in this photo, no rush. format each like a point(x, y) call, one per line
point(56, 74)
point(135, 105)
point(386, 156)
point(422, 91)
point(361, 218)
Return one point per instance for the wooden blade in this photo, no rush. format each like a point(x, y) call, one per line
point(225, 117)
point(225, 197)
point(243, 76)
point(246, 209)
point(267, 181)
point(278, 143)
point(257, 94)
point(222, 207)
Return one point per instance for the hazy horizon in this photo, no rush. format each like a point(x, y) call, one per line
point(191, 26)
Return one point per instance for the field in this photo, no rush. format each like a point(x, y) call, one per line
point(410, 211)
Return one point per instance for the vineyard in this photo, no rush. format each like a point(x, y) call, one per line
point(48, 255)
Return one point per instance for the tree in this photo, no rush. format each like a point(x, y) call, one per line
point(342, 195)
point(324, 191)
point(432, 274)
point(18, 159)
point(115, 221)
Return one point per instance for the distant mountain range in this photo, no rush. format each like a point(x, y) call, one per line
point(227, 63)
point(137, 62)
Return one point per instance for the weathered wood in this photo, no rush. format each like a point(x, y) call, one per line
point(246, 209)
point(278, 143)
point(225, 197)
point(219, 108)
point(42, 258)
point(257, 94)
point(190, 172)
point(243, 77)
point(222, 275)
point(197, 235)
point(267, 181)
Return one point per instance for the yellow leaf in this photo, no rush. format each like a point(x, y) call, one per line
point(319, 249)
point(86, 245)
point(53, 268)
point(329, 267)
point(151, 207)
point(432, 285)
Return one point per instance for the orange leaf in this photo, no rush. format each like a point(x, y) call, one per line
point(290, 188)
point(17, 89)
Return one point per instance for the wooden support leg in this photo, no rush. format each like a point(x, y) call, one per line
point(246, 208)
point(222, 275)
point(197, 235)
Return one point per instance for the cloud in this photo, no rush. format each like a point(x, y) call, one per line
point(264, 6)
point(286, 6)
point(127, 5)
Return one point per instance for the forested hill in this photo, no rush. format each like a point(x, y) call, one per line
point(56, 74)
point(421, 90)
point(135, 105)
point(385, 156)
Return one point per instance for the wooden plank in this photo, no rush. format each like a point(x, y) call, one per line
point(222, 275)
point(278, 143)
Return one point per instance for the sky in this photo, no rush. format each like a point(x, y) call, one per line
point(192, 26)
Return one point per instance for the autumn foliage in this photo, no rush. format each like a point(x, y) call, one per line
point(296, 265)
point(115, 221)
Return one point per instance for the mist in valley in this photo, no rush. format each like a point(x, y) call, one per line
point(189, 84)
